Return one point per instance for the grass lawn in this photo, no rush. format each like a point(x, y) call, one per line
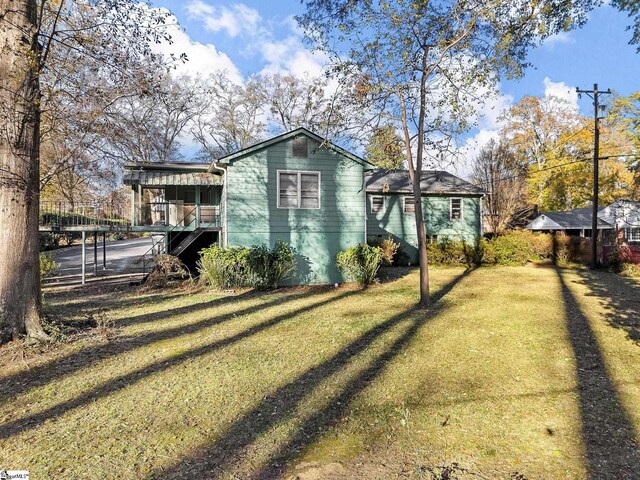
point(515, 373)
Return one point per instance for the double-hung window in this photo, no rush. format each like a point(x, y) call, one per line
point(298, 189)
point(377, 203)
point(409, 204)
point(633, 235)
point(455, 209)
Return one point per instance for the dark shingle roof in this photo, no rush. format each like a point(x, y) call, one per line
point(577, 218)
point(432, 181)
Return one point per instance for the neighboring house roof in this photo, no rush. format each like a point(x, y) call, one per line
point(577, 218)
point(166, 175)
point(432, 181)
point(622, 213)
point(286, 136)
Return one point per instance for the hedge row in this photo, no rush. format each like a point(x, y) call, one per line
point(512, 248)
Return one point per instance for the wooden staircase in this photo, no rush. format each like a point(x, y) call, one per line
point(188, 240)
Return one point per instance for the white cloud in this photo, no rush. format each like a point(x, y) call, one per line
point(560, 38)
point(203, 59)
point(235, 19)
point(561, 90)
point(290, 56)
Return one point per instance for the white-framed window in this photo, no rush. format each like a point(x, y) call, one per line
point(409, 205)
point(298, 189)
point(633, 234)
point(377, 203)
point(455, 209)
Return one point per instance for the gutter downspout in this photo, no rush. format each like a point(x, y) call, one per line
point(215, 166)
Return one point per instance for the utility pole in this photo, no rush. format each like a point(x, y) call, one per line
point(594, 94)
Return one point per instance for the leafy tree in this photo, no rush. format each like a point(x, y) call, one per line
point(385, 148)
point(624, 116)
point(534, 124)
point(496, 170)
point(565, 180)
point(112, 34)
point(553, 144)
point(424, 66)
point(632, 8)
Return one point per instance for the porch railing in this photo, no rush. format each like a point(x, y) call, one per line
point(177, 214)
point(94, 214)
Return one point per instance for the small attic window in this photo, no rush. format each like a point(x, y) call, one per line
point(300, 149)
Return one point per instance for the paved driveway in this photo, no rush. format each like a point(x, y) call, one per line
point(121, 262)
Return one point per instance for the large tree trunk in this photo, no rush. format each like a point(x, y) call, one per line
point(20, 306)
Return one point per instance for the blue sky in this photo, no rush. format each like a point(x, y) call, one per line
point(251, 36)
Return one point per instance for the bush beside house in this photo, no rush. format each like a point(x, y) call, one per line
point(257, 267)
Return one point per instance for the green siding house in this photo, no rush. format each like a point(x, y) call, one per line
point(301, 189)
point(451, 208)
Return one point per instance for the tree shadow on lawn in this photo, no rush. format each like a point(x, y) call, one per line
point(21, 382)
point(620, 297)
point(608, 434)
point(211, 460)
point(20, 425)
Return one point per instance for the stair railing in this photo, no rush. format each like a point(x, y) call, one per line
point(147, 257)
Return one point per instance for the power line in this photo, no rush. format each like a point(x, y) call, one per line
point(525, 174)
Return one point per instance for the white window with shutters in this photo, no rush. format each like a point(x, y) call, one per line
point(298, 189)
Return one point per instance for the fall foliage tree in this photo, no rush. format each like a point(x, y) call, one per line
point(385, 148)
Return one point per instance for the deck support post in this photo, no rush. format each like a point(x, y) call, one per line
point(84, 257)
point(95, 254)
point(133, 205)
point(104, 251)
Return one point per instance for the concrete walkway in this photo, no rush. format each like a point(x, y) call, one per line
point(121, 263)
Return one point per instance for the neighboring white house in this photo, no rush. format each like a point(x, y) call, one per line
point(622, 216)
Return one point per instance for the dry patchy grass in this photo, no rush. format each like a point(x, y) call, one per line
point(513, 373)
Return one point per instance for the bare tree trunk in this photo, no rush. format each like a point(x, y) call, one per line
point(20, 303)
point(422, 243)
point(415, 174)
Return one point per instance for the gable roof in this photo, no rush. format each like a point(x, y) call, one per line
point(431, 181)
point(286, 136)
point(577, 218)
point(622, 213)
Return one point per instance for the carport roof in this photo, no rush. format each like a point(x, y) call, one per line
point(166, 177)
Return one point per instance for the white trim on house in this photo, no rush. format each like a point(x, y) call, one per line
point(632, 234)
point(459, 219)
point(299, 189)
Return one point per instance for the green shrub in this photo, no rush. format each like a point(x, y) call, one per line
point(258, 267)
point(562, 251)
point(224, 267)
point(267, 268)
point(388, 250)
point(630, 270)
point(455, 252)
point(360, 263)
point(512, 249)
point(47, 265)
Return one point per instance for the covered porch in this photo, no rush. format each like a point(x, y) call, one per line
point(176, 197)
